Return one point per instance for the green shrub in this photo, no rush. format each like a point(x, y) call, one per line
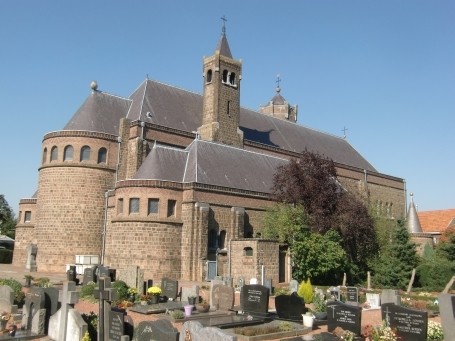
point(435, 275)
point(17, 287)
point(87, 291)
point(306, 291)
point(122, 290)
point(177, 314)
point(6, 256)
point(92, 323)
point(281, 291)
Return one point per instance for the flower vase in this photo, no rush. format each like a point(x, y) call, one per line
point(188, 310)
point(3, 324)
point(132, 298)
point(192, 300)
point(154, 299)
point(308, 320)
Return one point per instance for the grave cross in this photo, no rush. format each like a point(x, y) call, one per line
point(387, 318)
point(333, 310)
point(68, 297)
point(103, 293)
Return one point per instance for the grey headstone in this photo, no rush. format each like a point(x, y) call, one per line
point(193, 291)
point(345, 316)
point(129, 276)
point(374, 300)
point(268, 284)
point(390, 296)
point(38, 325)
point(169, 288)
point(240, 282)
point(103, 271)
point(410, 324)
point(293, 286)
point(352, 295)
point(30, 266)
point(76, 327)
point(116, 327)
point(194, 331)
point(71, 274)
point(34, 303)
point(212, 284)
point(156, 330)
point(447, 310)
point(7, 299)
point(223, 297)
point(139, 279)
point(89, 275)
point(335, 292)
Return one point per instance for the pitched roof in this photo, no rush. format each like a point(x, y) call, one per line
point(412, 220)
point(101, 112)
point(436, 221)
point(278, 99)
point(223, 47)
point(212, 164)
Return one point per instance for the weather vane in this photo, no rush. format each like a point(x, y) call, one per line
point(223, 30)
point(344, 131)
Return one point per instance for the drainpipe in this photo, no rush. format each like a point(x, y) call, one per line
point(119, 140)
point(405, 200)
point(103, 246)
point(229, 258)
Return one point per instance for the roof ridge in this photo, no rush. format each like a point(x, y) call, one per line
point(168, 147)
point(109, 94)
point(175, 87)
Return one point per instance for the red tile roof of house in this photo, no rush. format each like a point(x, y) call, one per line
point(436, 221)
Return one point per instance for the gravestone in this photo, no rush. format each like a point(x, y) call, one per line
point(133, 276)
point(7, 299)
point(290, 307)
point(193, 291)
point(157, 330)
point(71, 274)
point(51, 304)
point(390, 296)
point(169, 288)
point(345, 316)
point(410, 324)
point(255, 300)
point(76, 326)
point(89, 276)
point(334, 293)
point(268, 284)
point(116, 325)
point(240, 282)
point(352, 295)
point(34, 312)
point(30, 265)
point(194, 331)
point(293, 286)
point(228, 281)
point(129, 326)
point(212, 285)
point(320, 292)
point(103, 271)
point(374, 300)
point(223, 297)
point(113, 274)
point(147, 284)
point(447, 310)
point(68, 297)
point(105, 294)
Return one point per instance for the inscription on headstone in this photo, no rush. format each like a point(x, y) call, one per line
point(116, 326)
point(89, 276)
point(374, 300)
point(352, 295)
point(223, 297)
point(169, 288)
point(345, 316)
point(410, 324)
point(255, 299)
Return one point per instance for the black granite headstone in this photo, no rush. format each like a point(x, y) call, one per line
point(268, 284)
point(116, 326)
point(169, 288)
point(35, 299)
point(290, 307)
point(352, 294)
point(113, 274)
point(71, 274)
point(102, 271)
point(345, 316)
point(410, 324)
point(255, 300)
point(129, 326)
point(89, 276)
point(157, 330)
point(147, 284)
point(51, 304)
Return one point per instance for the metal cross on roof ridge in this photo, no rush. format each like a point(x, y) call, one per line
point(344, 131)
point(278, 79)
point(223, 30)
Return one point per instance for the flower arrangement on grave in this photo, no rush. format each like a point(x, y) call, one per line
point(380, 333)
point(156, 291)
point(348, 335)
point(132, 291)
point(145, 297)
point(319, 304)
point(125, 304)
point(435, 331)
point(4, 316)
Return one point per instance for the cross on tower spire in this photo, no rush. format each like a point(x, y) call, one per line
point(223, 30)
point(278, 80)
point(344, 131)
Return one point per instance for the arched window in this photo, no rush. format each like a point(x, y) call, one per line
point(102, 154)
point(44, 155)
point(68, 153)
point(222, 240)
point(232, 78)
point(85, 153)
point(208, 79)
point(54, 153)
point(225, 76)
point(212, 239)
point(248, 251)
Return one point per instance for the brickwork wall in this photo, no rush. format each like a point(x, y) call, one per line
point(421, 239)
point(284, 112)
point(124, 134)
point(25, 231)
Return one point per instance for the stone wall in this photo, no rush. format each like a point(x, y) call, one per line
point(25, 231)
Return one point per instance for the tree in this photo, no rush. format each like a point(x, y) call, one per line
point(7, 220)
point(446, 247)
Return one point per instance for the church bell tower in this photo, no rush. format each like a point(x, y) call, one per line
point(221, 99)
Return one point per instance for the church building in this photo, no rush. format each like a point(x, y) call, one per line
point(173, 181)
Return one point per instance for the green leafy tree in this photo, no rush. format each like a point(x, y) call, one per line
point(7, 220)
point(394, 267)
point(446, 246)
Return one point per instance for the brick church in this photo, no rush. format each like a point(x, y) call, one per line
point(168, 179)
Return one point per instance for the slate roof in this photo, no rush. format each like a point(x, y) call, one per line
point(180, 109)
point(412, 220)
point(278, 99)
point(101, 112)
point(223, 47)
point(436, 221)
point(211, 163)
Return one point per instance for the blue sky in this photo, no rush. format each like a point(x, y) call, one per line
point(385, 70)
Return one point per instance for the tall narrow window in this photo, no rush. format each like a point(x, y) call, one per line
point(120, 206)
point(171, 208)
point(54, 153)
point(225, 76)
point(68, 153)
point(102, 154)
point(28, 216)
point(229, 108)
point(209, 76)
point(153, 206)
point(232, 78)
point(20, 217)
point(44, 155)
point(85, 153)
point(212, 240)
point(134, 205)
point(222, 243)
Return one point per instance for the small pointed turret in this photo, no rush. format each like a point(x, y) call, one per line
point(223, 47)
point(412, 220)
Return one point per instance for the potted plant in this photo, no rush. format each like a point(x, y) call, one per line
point(203, 306)
point(132, 292)
point(192, 299)
point(319, 307)
point(145, 299)
point(155, 293)
point(28, 280)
